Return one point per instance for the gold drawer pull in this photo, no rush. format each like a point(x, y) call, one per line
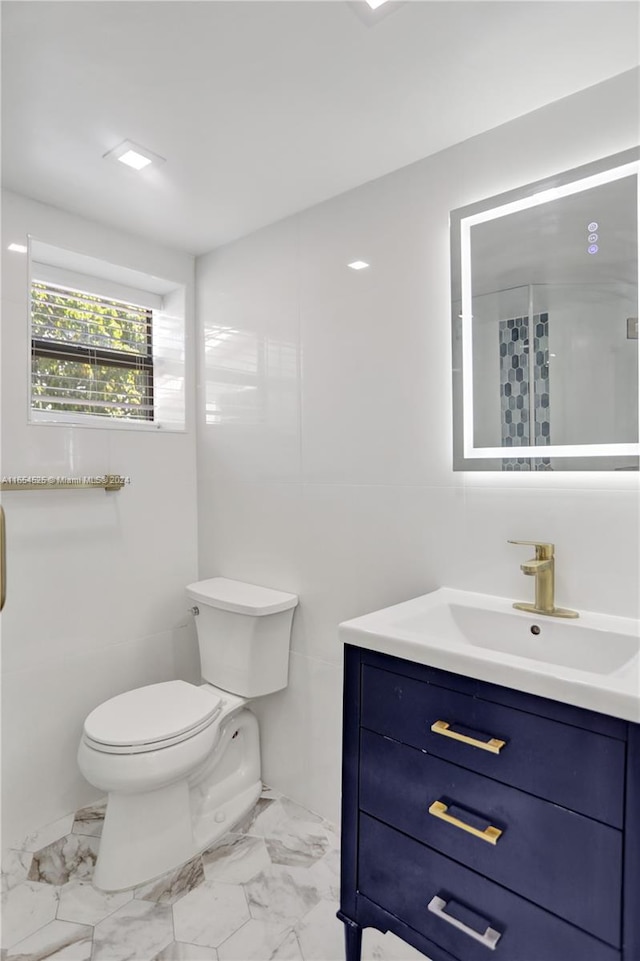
point(494, 745)
point(490, 834)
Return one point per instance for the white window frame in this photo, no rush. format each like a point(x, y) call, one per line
point(167, 303)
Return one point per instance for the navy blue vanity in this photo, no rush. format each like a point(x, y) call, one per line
point(480, 822)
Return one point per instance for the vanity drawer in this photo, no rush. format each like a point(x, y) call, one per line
point(566, 863)
point(406, 877)
point(571, 766)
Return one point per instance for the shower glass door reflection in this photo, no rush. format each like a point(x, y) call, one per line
point(555, 364)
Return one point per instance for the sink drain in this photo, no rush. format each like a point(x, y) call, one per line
point(535, 629)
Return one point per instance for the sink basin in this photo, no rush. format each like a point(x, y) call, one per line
point(537, 637)
point(593, 661)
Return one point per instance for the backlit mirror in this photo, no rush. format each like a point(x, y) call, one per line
point(545, 324)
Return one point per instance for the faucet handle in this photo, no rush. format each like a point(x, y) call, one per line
point(544, 550)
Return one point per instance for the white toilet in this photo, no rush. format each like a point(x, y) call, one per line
point(180, 762)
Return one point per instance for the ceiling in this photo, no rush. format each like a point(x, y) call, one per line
point(265, 108)
point(549, 243)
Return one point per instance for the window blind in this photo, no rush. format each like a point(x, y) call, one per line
point(90, 354)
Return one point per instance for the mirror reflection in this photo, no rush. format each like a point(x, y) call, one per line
point(545, 325)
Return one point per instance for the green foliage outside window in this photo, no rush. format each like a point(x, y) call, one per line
point(90, 354)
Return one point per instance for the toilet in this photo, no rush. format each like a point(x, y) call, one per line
point(180, 762)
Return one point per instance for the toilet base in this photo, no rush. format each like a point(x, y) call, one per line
point(149, 833)
point(227, 816)
point(143, 836)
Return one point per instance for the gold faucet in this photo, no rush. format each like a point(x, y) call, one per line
point(542, 567)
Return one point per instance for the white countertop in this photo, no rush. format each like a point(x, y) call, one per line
point(592, 662)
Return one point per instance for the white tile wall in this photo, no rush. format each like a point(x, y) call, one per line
point(300, 728)
point(324, 466)
point(337, 483)
point(95, 600)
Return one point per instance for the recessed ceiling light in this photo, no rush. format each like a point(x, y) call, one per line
point(133, 159)
point(373, 12)
point(133, 156)
point(18, 248)
point(358, 265)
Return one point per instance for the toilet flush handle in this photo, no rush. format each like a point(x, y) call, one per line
point(194, 610)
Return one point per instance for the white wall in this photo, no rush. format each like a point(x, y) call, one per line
point(593, 368)
point(326, 468)
point(95, 601)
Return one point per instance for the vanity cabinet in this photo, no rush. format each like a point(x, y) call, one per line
point(480, 822)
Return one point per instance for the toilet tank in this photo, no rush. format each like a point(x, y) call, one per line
point(243, 635)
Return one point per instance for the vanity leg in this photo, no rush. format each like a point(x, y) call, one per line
point(352, 940)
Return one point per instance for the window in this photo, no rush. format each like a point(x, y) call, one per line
point(90, 354)
point(107, 343)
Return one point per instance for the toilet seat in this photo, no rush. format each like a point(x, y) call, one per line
point(151, 718)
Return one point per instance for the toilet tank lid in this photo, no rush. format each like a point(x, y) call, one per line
point(228, 595)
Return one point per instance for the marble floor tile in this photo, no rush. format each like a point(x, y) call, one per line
point(49, 833)
point(210, 914)
point(267, 813)
point(137, 931)
point(321, 875)
point(26, 908)
point(295, 812)
point(297, 848)
point(261, 893)
point(237, 858)
point(15, 867)
point(333, 835)
point(278, 895)
point(320, 934)
point(255, 941)
point(84, 904)
point(301, 839)
point(72, 857)
point(387, 947)
point(179, 951)
point(58, 939)
point(329, 866)
point(269, 792)
point(172, 886)
point(90, 820)
point(289, 950)
point(294, 835)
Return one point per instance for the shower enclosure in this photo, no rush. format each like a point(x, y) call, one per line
point(555, 364)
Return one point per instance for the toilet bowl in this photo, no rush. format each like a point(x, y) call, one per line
point(180, 762)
